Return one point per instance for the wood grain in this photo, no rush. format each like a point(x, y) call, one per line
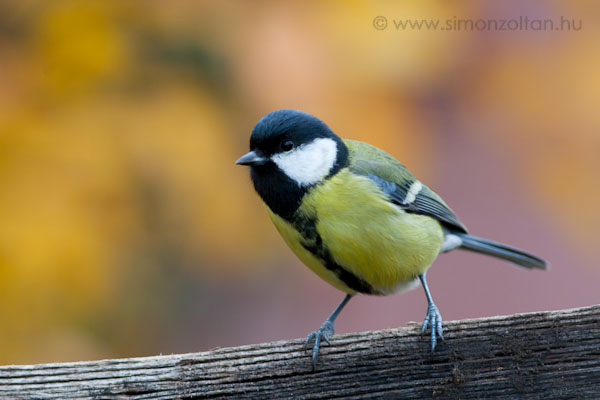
point(544, 355)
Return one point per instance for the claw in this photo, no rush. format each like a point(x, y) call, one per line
point(433, 319)
point(324, 332)
point(425, 324)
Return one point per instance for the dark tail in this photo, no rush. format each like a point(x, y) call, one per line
point(515, 256)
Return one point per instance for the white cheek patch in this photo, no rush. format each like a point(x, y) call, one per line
point(310, 163)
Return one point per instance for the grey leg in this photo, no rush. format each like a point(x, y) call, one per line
point(326, 330)
point(433, 317)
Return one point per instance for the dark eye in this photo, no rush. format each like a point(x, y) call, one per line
point(286, 145)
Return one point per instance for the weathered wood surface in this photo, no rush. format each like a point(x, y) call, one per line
point(545, 355)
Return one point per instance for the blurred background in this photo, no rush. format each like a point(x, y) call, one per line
point(126, 229)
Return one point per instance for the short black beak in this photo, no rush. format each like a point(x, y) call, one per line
point(251, 158)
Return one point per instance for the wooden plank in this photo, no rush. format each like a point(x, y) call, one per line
point(544, 355)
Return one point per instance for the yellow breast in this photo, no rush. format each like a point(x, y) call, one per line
point(365, 234)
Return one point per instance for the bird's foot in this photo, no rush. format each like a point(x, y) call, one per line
point(324, 332)
point(434, 320)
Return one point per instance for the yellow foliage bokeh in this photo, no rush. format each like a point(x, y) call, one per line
point(120, 206)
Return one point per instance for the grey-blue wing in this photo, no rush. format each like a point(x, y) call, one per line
point(425, 202)
point(396, 181)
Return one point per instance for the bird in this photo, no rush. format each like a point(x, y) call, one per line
point(355, 215)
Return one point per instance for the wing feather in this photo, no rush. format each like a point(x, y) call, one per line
point(396, 181)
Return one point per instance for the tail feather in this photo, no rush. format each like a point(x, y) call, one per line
point(515, 256)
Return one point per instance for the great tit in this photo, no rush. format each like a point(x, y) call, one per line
point(355, 215)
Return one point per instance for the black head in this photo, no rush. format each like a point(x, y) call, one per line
point(290, 152)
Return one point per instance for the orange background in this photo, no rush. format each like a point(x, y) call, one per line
point(126, 229)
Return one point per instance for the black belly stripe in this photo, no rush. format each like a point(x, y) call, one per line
point(314, 243)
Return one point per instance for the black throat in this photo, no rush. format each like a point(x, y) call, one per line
point(282, 194)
